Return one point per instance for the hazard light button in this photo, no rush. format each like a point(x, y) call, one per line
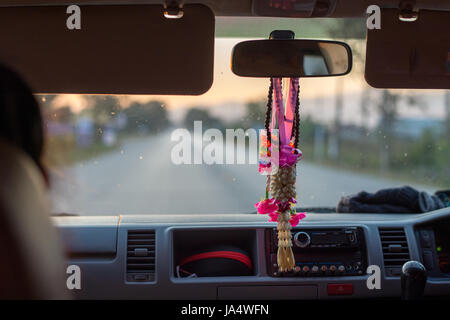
point(340, 289)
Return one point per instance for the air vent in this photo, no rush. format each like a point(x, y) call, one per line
point(141, 255)
point(395, 249)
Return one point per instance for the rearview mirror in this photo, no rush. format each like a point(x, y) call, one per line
point(291, 58)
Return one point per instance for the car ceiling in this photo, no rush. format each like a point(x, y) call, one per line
point(343, 8)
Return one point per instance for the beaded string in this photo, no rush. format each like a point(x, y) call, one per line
point(296, 131)
point(269, 113)
point(295, 135)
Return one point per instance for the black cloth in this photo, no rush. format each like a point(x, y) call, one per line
point(444, 195)
point(394, 200)
point(20, 115)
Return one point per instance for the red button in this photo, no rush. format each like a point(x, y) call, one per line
point(339, 289)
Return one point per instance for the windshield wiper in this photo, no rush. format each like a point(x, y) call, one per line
point(64, 215)
point(316, 209)
point(312, 210)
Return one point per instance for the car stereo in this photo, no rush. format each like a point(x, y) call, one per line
point(321, 252)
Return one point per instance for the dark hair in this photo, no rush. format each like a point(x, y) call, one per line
point(20, 115)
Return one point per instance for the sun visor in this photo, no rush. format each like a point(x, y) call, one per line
point(120, 49)
point(412, 54)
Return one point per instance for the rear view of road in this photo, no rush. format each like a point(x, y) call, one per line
point(140, 178)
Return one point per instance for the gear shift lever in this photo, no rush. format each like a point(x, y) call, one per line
point(413, 280)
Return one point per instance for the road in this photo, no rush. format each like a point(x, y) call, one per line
point(140, 178)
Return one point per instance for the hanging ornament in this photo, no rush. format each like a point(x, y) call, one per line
point(279, 155)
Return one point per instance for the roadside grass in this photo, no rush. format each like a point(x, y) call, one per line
point(91, 152)
point(356, 159)
point(63, 151)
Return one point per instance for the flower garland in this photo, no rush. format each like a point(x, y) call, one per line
point(281, 171)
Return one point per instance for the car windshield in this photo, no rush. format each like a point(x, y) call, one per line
point(127, 154)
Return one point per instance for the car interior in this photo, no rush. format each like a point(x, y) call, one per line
point(109, 215)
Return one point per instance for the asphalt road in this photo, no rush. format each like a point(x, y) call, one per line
point(140, 178)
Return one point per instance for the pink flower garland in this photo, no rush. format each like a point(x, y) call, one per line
point(267, 206)
point(295, 219)
point(272, 206)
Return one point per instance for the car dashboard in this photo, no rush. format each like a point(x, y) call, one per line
point(337, 255)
